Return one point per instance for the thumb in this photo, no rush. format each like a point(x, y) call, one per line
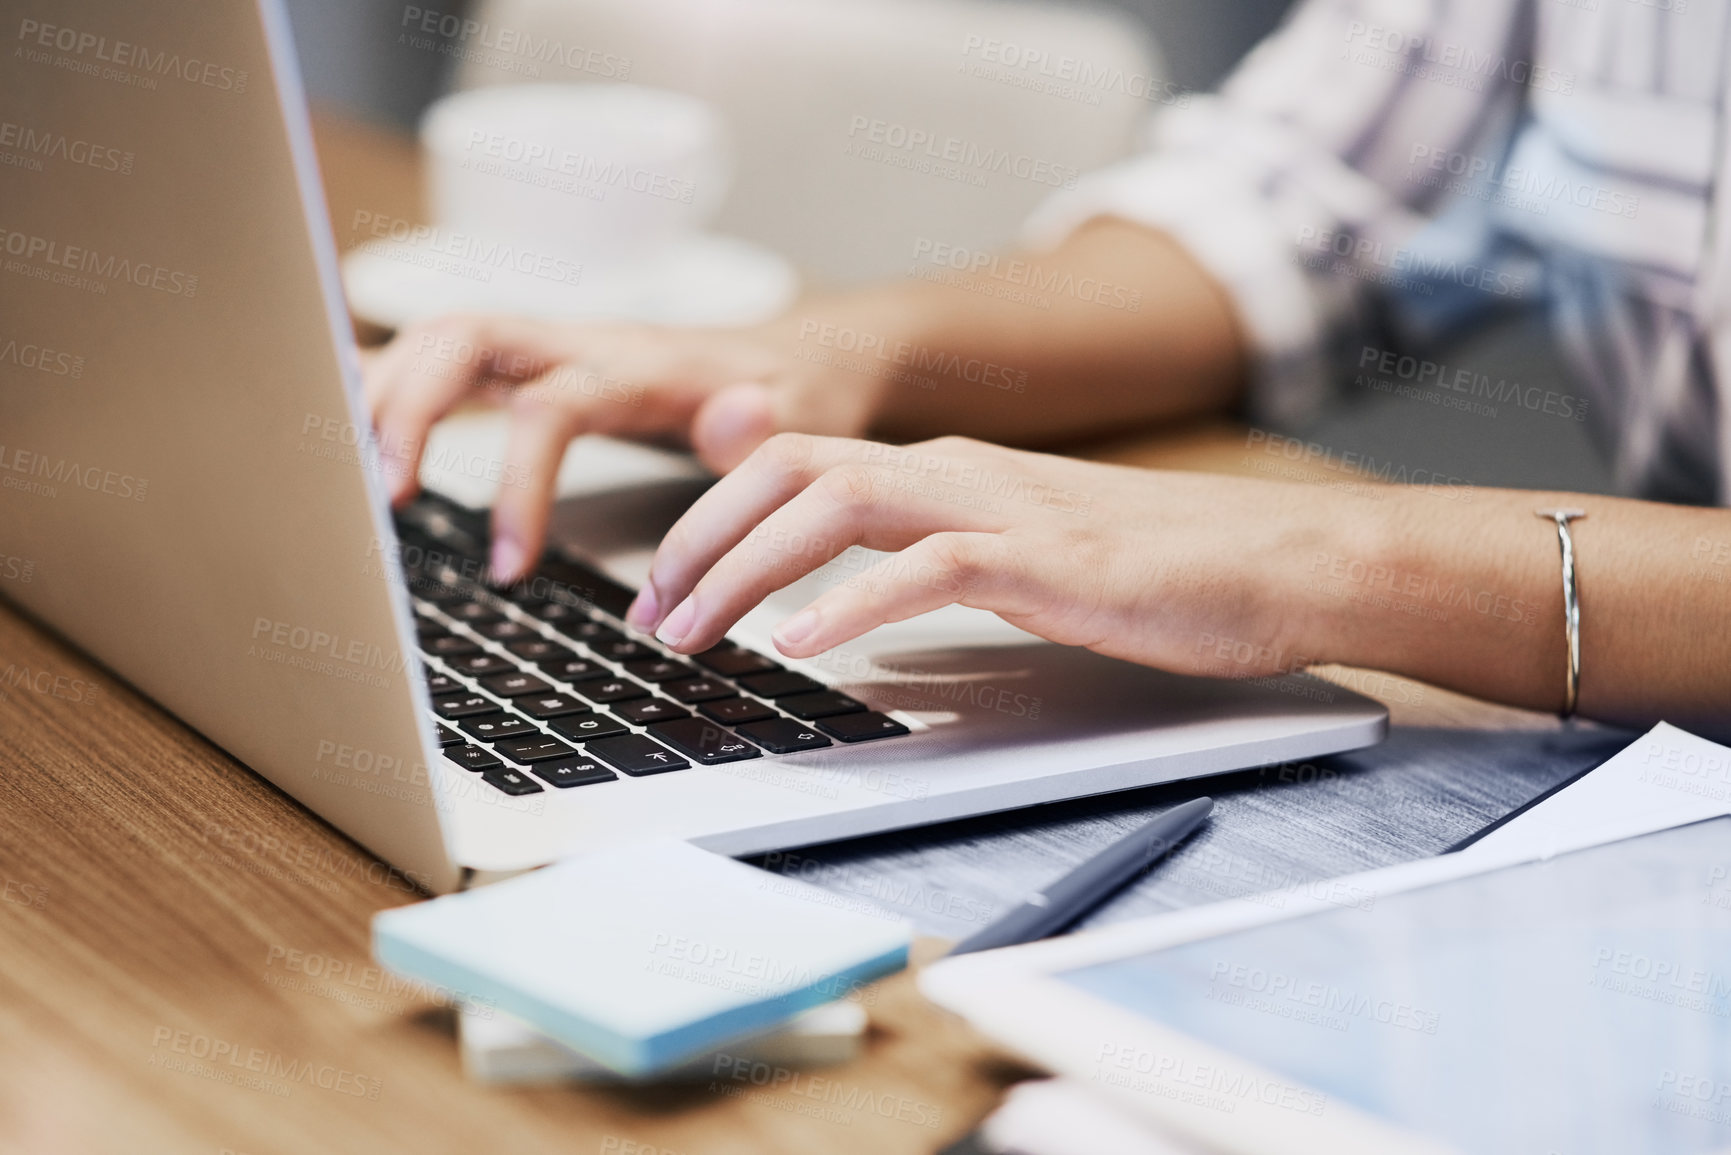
point(731, 423)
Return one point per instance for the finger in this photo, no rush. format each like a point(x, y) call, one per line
point(716, 521)
point(781, 467)
point(852, 504)
point(384, 370)
point(422, 375)
point(731, 424)
point(734, 421)
point(974, 569)
point(546, 415)
point(379, 370)
point(407, 393)
point(533, 451)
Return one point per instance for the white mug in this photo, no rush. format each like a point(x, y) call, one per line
point(598, 174)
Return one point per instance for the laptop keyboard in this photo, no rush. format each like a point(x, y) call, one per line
point(541, 684)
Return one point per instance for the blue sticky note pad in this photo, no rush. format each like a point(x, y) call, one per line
point(645, 956)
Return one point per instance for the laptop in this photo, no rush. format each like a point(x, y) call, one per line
point(184, 459)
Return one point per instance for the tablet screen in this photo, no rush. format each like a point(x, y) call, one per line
point(1579, 1005)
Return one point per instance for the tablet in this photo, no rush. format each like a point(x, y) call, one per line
point(1571, 1006)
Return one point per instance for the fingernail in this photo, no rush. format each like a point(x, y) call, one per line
point(678, 623)
point(796, 629)
point(643, 609)
point(507, 561)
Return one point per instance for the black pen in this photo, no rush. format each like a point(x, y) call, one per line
point(1048, 911)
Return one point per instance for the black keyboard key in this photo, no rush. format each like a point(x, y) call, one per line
point(588, 583)
point(449, 737)
point(590, 632)
point(512, 781)
point(698, 690)
point(463, 706)
point(538, 748)
point(781, 736)
point(451, 646)
point(733, 711)
point(604, 690)
point(647, 710)
point(637, 755)
point(474, 613)
point(426, 631)
point(525, 593)
point(434, 520)
point(556, 614)
point(704, 742)
point(659, 670)
point(623, 650)
point(514, 684)
point(507, 630)
point(587, 727)
point(824, 705)
point(438, 683)
point(731, 661)
point(573, 669)
point(494, 727)
point(539, 649)
point(861, 727)
point(473, 758)
point(479, 665)
point(574, 772)
point(780, 684)
point(544, 706)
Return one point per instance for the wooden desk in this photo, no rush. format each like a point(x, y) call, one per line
point(183, 949)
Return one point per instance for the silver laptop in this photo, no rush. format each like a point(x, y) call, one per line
point(183, 462)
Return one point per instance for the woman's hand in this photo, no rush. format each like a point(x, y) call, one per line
point(721, 392)
point(1131, 563)
point(906, 359)
point(1208, 574)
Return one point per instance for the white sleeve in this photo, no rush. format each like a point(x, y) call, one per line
point(1308, 149)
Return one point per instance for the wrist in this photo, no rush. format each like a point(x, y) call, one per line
point(1458, 588)
point(869, 324)
point(1338, 556)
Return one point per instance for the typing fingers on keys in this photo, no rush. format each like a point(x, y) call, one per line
point(794, 505)
point(429, 368)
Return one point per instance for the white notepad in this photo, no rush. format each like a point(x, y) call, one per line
point(1667, 777)
point(646, 956)
point(505, 1051)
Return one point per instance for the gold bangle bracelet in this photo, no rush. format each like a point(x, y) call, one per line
point(1571, 603)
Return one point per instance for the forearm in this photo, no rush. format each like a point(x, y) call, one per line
point(1118, 326)
point(1467, 594)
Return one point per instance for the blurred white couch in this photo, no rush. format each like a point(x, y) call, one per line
point(860, 128)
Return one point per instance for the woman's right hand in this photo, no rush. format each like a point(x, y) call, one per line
point(719, 392)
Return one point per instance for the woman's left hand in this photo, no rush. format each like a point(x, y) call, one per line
point(1155, 567)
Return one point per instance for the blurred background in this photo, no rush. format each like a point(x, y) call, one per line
point(349, 57)
point(788, 77)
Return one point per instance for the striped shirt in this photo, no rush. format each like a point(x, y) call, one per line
point(1383, 170)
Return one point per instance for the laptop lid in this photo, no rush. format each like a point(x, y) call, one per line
point(183, 448)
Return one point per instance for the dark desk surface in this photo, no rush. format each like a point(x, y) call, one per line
point(1273, 830)
point(152, 891)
